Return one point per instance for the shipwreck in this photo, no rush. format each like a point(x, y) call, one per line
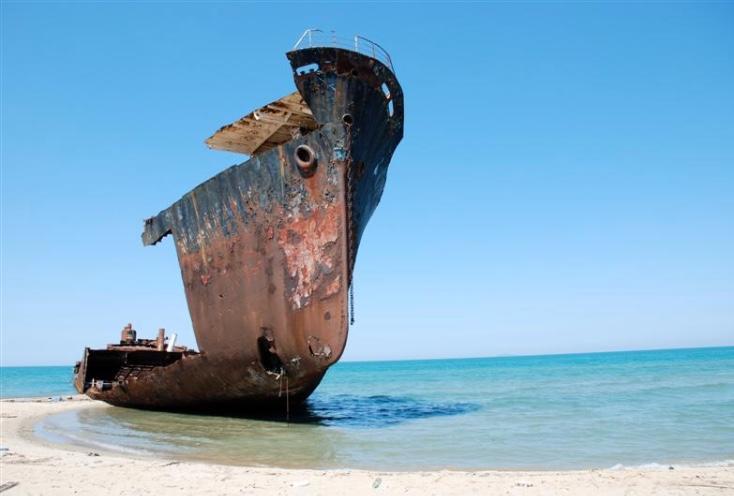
point(267, 248)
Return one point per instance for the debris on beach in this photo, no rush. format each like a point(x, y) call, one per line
point(8, 485)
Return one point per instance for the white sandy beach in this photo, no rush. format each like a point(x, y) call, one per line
point(40, 468)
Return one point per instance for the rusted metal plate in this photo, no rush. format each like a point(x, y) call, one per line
point(267, 249)
point(265, 128)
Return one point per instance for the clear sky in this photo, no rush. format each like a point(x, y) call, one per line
point(566, 180)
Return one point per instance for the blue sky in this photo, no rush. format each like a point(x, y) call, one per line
point(566, 180)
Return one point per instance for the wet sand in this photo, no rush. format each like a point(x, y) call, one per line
point(37, 467)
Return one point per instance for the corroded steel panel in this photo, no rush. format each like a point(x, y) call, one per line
point(262, 247)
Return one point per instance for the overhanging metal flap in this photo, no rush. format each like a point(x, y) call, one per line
point(266, 127)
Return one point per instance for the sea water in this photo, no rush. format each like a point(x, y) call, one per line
point(534, 412)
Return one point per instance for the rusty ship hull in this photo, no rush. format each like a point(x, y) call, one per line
point(267, 247)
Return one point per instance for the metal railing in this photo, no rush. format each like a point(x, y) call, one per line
point(318, 38)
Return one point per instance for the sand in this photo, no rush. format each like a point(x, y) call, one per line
point(41, 468)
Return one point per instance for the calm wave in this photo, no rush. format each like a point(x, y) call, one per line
point(544, 412)
point(25, 382)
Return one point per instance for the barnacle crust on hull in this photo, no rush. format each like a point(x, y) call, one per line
point(267, 247)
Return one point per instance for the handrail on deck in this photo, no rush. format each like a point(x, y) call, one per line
point(319, 38)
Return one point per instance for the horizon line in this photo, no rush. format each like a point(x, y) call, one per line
point(520, 355)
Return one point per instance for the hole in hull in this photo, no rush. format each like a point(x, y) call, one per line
point(269, 359)
point(385, 90)
point(307, 68)
point(306, 160)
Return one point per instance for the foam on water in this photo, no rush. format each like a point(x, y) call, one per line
point(621, 410)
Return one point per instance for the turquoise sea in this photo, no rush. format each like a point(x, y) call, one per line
point(537, 412)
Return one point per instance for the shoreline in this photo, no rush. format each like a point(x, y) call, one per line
point(42, 467)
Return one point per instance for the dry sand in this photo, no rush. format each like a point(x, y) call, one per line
point(40, 468)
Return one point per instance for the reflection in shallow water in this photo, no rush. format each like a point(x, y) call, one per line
point(573, 411)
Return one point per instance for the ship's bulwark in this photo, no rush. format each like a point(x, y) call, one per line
point(266, 250)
